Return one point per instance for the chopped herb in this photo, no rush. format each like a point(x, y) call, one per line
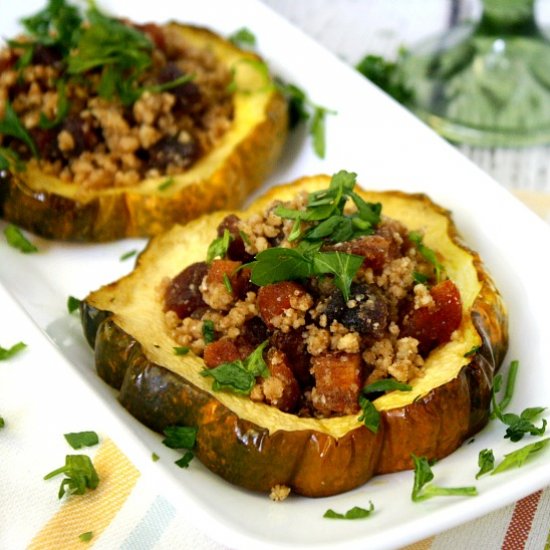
point(168, 182)
point(239, 376)
point(353, 513)
point(423, 474)
point(227, 283)
point(427, 253)
point(370, 415)
point(180, 437)
point(208, 332)
point(244, 237)
point(155, 457)
point(420, 278)
point(8, 353)
point(77, 440)
point(302, 109)
point(518, 458)
point(184, 461)
point(73, 304)
point(387, 384)
point(128, 255)
point(518, 425)
point(10, 160)
point(472, 351)
point(243, 37)
point(16, 239)
point(386, 75)
point(81, 475)
point(158, 88)
point(181, 350)
point(485, 461)
point(2, 422)
point(86, 537)
point(219, 246)
point(11, 126)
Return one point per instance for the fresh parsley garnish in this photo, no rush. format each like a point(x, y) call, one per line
point(155, 457)
point(11, 126)
point(77, 440)
point(86, 537)
point(302, 109)
point(427, 253)
point(516, 459)
point(243, 38)
point(181, 350)
point(386, 75)
point(8, 353)
point(239, 376)
point(485, 461)
point(518, 425)
point(219, 246)
point(423, 490)
point(208, 332)
point(353, 513)
point(370, 415)
point(227, 283)
point(9, 159)
point(128, 255)
point(168, 182)
point(181, 437)
point(472, 351)
point(16, 239)
point(80, 475)
point(73, 304)
point(2, 422)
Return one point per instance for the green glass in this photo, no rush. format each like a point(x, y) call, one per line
point(486, 83)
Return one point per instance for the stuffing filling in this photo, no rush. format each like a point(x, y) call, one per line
point(107, 103)
point(313, 336)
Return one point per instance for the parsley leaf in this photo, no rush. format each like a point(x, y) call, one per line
point(86, 537)
point(11, 126)
point(181, 350)
point(10, 352)
point(219, 246)
point(516, 459)
point(485, 461)
point(353, 513)
point(73, 304)
point(168, 182)
point(208, 332)
point(128, 255)
point(317, 131)
point(508, 390)
point(77, 440)
point(155, 457)
point(427, 253)
point(386, 384)
point(239, 376)
point(10, 160)
point(16, 239)
point(81, 475)
point(342, 266)
point(423, 475)
point(181, 437)
point(2, 422)
point(386, 75)
point(243, 37)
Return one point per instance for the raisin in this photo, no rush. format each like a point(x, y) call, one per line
point(171, 152)
point(253, 333)
point(434, 324)
point(188, 95)
point(366, 312)
point(183, 295)
point(46, 55)
point(85, 138)
point(293, 345)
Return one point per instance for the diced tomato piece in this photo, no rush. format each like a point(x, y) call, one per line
point(281, 388)
point(275, 298)
point(433, 325)
point(220, 351)
point(338, 379)
point(182, 294)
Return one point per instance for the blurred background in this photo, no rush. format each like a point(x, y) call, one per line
point(354, 28)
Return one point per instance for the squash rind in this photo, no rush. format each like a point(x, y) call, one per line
point(256, 446)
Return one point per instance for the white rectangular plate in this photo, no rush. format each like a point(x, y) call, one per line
point(389, 149)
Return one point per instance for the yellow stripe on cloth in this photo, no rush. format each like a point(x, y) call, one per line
point(425, 544)
point(94, 510)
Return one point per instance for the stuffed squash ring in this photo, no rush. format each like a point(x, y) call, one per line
point(331, 333)
point(110, 129)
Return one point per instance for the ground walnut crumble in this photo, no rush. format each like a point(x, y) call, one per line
point(147, 105)
point(325, 293)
